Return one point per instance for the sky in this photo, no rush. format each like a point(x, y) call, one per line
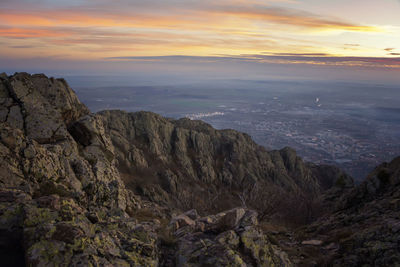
point(357, 39)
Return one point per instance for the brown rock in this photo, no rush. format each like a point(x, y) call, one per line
point(181, 221)
point(67, 232)
point(231, 218)
point(52, 202)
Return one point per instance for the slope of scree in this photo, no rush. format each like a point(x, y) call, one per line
point(118, 189)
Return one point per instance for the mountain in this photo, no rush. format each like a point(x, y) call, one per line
point(136, 189)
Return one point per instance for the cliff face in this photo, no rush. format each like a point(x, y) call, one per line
point(173, 161)
point(106, 189)
point(60, 201)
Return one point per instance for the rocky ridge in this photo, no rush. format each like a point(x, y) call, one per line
point(111, 189)
point(186, 163)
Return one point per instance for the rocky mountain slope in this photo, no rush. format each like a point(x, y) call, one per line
point(137, 189)
point(364, 229)
point(187, 163)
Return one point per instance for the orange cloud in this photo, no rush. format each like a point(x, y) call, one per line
point(295, 18)
point(216, 18)
point(65, 18)
point(29, 33)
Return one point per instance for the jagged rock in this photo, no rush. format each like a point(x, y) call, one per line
point(249, 219)
point(373, 209)
point(52, 182)
point(227, 245)
point(45, 105)
point(229, 238)
point(181, 221)
point(179, 158)
point(232, 218)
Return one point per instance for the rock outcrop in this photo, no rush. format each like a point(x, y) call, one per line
point(363, 228)
point(229, 238)
point(62, 201)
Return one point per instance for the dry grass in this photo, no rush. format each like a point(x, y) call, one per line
point(144, 215)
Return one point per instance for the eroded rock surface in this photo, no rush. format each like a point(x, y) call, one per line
point(229, 238)
point(172, 161)
point(62, 201)
point(364, 230)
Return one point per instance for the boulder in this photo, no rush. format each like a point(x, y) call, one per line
point(192, 214)
point(230, 219)
point(218, 240)
point(181, 221)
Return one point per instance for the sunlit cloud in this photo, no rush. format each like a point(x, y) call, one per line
point(281, 30)
point(295, 18)
point(186, 19)
point(12, 32)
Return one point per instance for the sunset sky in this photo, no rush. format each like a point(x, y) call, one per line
point(90, 35)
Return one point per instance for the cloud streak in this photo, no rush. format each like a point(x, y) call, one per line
point(204, 17)
point(307, 59)
point(295, 18)
point(281, 30)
